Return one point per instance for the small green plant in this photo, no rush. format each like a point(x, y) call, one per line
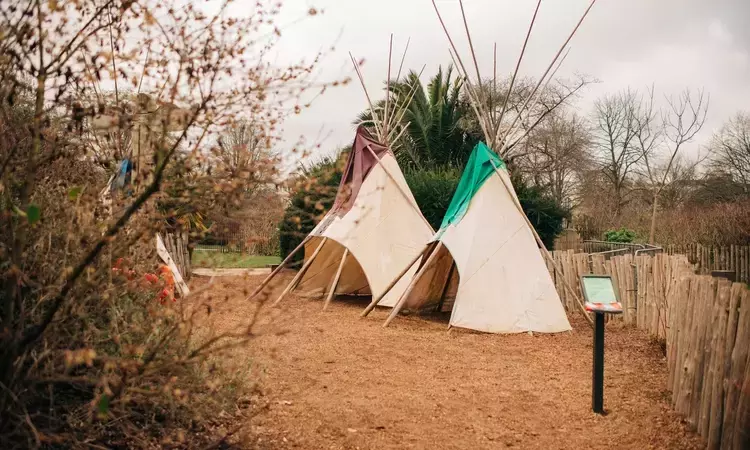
point(622, 235)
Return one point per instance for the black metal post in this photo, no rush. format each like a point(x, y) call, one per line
point(597, 399)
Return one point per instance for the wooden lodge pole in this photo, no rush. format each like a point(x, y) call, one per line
point(278, 269)
point(301, 272)
point(331, 293)
point(396, 279)
point(413, 283)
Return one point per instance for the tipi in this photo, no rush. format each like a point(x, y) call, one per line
point(485, 257)
point(486, 253)
point(373, 232)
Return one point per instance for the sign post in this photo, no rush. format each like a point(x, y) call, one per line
point(600, 298)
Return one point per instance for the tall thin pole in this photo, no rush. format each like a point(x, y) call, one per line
point(515, 72)
point(412, 284)
point(301, 273)
point(278, 269)
point(336, 278)
point(387, 92)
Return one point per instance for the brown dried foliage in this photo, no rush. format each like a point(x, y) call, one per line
point(88, 356)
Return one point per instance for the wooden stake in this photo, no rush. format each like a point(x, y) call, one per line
point(398, 277)
point(301, 272)
point(539, 242)
point(413, 283)
point(336, 279)
point(278, 269)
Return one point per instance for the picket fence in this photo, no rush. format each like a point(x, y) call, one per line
point(705, 324)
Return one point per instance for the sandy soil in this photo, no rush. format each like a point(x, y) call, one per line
point(335, 381)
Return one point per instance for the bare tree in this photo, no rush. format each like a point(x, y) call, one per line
point(618, 120)
point(496, 98)
point(661, 142)
point(555, 155)
point(731, 150)
point(244, 149)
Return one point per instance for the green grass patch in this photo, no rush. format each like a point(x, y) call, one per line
point(219, 260)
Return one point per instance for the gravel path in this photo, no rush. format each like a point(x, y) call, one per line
point(335, 381)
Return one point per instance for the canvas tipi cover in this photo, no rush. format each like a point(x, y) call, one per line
point(502, 283)
point(377, 219)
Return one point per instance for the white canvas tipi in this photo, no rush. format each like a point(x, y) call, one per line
point(373, 231)
point(485, 257)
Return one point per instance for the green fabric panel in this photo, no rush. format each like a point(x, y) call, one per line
point(478, 169)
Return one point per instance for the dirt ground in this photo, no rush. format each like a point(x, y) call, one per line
point(335, 381)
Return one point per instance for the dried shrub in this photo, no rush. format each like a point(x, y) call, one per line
point(91, 356)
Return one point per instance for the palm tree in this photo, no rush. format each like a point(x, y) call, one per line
point(432, 134)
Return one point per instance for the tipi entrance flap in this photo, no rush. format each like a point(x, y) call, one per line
point(434, 283)
point(362, 159)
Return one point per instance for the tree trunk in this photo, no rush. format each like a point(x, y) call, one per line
point(652, 232)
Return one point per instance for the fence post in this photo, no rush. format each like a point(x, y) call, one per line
point(634, 265)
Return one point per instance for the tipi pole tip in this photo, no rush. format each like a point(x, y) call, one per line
point(387, 92)
point(518, 66)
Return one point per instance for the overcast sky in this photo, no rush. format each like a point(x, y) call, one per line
point(674, 44)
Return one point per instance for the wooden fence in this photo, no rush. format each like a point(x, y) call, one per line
point(242, 240)
point(177, 246)
point(707, 258)
point(705, 324)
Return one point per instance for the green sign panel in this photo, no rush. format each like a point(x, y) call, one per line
point(598, 289)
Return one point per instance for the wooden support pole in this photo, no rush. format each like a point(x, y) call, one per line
point(301, 272)
point(278, 269)
point(545, 252)
point(398, 277)
point(445, 288)
point(413, 283)
point(331, 293)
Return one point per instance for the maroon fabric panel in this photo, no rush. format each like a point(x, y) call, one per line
point(358, 166)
